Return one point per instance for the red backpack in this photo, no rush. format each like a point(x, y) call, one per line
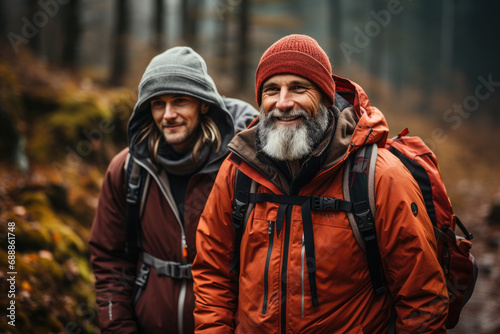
point(459, 266)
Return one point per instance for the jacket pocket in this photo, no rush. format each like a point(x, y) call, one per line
point(270, 232)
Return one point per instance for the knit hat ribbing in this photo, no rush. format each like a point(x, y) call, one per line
point(300, 55)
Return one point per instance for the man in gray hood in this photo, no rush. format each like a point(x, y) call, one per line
point(143, 236)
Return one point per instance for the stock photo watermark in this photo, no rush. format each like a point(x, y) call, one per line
point(460, 111)
point(372, 28)
point(31, 27)
point(11, 274)
point(85, 147)
point(223, 7)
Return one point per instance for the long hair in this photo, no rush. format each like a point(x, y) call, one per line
point(154, 138)
point(208, 134)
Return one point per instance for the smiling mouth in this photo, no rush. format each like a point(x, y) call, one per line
point(171, 126)
point(288, 119)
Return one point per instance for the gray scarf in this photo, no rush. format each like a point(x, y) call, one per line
point(186, 164)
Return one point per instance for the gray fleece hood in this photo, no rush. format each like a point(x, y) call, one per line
point(179, 70)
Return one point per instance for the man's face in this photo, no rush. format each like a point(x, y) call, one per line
point(178, 118)
point(293, 118)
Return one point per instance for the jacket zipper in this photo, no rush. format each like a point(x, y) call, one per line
point(302, 256)
point(270, 231)
point(173, 206)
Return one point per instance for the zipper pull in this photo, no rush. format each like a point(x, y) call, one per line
point(270, 228)
point(184, 246)
point(403, 133)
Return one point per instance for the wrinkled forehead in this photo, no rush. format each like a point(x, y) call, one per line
point(286, 79)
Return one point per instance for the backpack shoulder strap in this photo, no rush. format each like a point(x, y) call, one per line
point(363, 159)
point(137, 180)
point(243, 186)
point(359, 188)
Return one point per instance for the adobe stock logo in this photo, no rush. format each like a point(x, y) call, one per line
point(456, 115)
point(373, 28)
point(49, 9)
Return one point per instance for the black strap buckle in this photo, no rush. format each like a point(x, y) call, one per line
point(240, 205)
point(324, 203)
point(142, 278)
point(133, 191)
point(364, 218)
point(179, 271)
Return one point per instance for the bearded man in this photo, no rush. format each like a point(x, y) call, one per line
point(287, 266)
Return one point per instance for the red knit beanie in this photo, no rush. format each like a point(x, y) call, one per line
point(300, 55)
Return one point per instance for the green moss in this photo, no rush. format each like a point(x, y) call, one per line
point(84, 269)
point(52, 269)
point(75, 116)
point(34, 198)
point(52, 233)
point(31, 236)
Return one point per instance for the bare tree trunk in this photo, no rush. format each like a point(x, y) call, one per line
point(72, 33)
point(189, 22)
point(336, 33)
point(36, 41)
point(377, 44)
point(4, 29)
point(120, 50)
point(222, 50)
point(447, 29)
point(158, 15)
point(243, 45)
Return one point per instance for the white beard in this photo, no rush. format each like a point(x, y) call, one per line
point(285, 142)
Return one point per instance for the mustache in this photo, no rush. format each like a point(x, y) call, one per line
point(166, 123)
point(294, 113)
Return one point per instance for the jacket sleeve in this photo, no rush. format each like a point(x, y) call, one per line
point(114, 271)
point(242, 113)
point(215, 287)
point(408, 250)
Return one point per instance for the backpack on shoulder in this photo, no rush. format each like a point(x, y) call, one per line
point(458, 264)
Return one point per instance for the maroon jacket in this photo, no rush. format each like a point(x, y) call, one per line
point(166, 304)
point(157, 307)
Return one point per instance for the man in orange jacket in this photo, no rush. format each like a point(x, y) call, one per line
point(308, 275)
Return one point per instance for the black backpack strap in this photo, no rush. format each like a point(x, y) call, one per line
point(242, 188)
point(360, 183)
point(286, 203)
point(136, 179)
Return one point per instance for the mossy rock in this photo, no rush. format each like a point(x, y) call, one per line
point(34, 198)
point(78, 115)
point(52, 269)
point(63, 239)
point(31, 236)
point(84, 269)
point(40, 143)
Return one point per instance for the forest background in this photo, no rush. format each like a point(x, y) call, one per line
point(69, 71)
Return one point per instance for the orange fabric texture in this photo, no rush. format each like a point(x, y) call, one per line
point(234, 303)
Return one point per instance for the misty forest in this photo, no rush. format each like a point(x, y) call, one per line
point(69, 72)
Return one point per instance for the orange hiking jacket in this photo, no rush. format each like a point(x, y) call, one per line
point(271, 293)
